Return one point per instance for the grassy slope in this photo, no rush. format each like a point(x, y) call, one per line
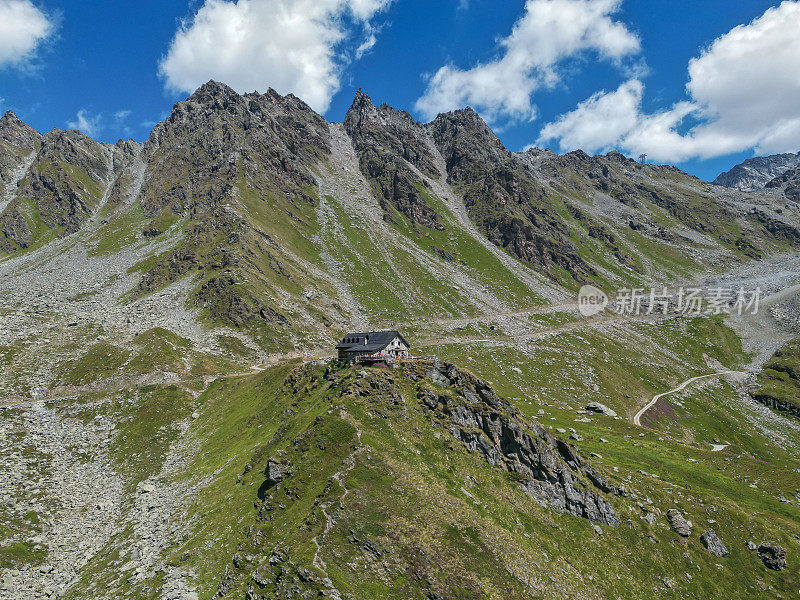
point(407, 521)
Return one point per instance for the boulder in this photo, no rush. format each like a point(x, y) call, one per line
point(773, 556)
point(601, 409)
point(275, 472)
point(713, 544)
point(679, 525)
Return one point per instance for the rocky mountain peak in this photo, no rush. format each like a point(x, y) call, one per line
point(360, 111)
point(16, 132)
point(617, 156)
point(364, 111)
point(466, 124)
point(756, 173)
point(362, 98)
point(212, 91)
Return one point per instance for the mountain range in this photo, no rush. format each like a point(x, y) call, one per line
point(172, 426)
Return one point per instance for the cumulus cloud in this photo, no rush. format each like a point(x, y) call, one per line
point(290, 45)
point(548, 33)
point(87, 123)
point(741, 94)
point(600, 121)
point(22, 28)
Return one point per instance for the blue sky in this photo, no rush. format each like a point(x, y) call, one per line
point(617, 76)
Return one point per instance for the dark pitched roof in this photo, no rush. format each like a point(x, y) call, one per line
point(373, 341)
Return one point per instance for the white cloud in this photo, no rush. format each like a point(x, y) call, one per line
point(22, 28)
point(121, 115)
point(548, 33)
point(290, 45)
point(742, 94)
point(599, 122)
point(86, 123)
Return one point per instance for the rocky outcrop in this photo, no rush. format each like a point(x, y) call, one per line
point(789, 182)
point(229, 301)
point(548, 469)
point(779, 381)
point(713, 544)
point(15, 230)
point(755, 173)
point(678, 523)
point(275, 472)
point(772, 555)
point(387, 141)
point(17, 141)
point(781, 405)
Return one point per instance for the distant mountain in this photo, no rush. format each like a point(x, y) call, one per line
point(755, 173)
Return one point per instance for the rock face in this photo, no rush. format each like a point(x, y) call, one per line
point(779, 381)
point(55, 181)
point(773, 556)
point(384, 139)
point(789, 182)
point(18, 141)
point(67, 179)
point(275, 472)
point(549, 469)
point(755, 173)
point(713, 544)
point(503, 197)
point(678, 523)
point(19, 134)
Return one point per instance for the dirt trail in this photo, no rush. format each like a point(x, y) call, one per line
point(330, 518)
point(637, 419)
